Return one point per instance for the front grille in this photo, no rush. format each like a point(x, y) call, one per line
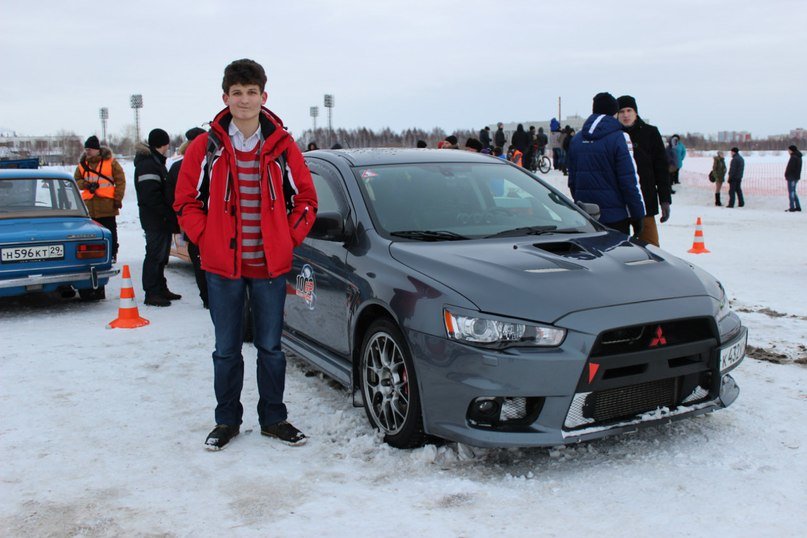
point(612, 405)
point(654, 335)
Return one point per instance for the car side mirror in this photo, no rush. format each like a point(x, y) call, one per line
point(593, 210)
point(329, 226)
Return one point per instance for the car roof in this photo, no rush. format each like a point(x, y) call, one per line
point(25, 173)
point(378, 156)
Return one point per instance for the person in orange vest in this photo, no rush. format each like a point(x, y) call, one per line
point(515, 155)
point(102, 183)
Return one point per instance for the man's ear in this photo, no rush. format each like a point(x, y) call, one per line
point(264, 96)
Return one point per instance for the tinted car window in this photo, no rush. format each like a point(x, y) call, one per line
point(326, 198)
point(471, 199)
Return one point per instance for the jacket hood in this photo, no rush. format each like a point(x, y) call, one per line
point(599, 126)
point(271, 127)
point(106, 153)
point(144, 152)
point(796, 153)
point(547, 279)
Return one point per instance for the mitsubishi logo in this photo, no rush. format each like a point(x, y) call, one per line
point(659, 339)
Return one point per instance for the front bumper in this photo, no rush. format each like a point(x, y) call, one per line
point(85, 279)
point(451, 376)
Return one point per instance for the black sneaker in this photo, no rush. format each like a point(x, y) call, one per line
point(170, 295)
point(155, 299)
point(285, 432)
point(220, 436)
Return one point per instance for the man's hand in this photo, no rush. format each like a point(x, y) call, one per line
point(638, 226)
point(92, 187)
point(665, 212)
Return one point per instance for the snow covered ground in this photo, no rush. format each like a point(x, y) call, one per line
point(102, 431)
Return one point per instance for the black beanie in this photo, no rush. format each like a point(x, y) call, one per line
point(92, 143)
point(604, 103)
point(626, 101)
point(474, 144)
point(793, 148)
point(158, 138)
point(192, 133)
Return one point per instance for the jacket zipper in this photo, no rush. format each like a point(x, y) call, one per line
point(303, 216)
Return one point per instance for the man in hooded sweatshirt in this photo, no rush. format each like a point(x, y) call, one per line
point(602, 170)
point(792, 175)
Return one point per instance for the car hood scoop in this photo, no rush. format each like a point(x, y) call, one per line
point(546, 280)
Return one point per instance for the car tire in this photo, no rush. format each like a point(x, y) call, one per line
point(92, 294)
point(389, 386)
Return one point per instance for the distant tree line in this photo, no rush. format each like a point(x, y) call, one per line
point(363, 137)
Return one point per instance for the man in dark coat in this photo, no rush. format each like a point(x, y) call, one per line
point(541, 140)
point(602, 170)
point(651, 163)
point(736, 171)
point(520, 139)
point(157, 217)
point(193, 249)
point(792, 175)
point(499, 139)
point(484, 137)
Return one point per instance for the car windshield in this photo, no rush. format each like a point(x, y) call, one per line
point(39, 197)
point(455, 201)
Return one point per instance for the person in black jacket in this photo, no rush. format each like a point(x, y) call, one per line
point(736, 171)
point(157, 217)
point(193, 249)
point(520, 139)
point(499, 139)
point(792, 175)
point(484, 137)
point(651, 164)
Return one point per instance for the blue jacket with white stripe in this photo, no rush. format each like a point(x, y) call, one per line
point(602, 170)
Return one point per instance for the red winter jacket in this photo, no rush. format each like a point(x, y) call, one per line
point(206, 197)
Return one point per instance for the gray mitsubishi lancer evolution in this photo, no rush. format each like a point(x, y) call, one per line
point(458, 296)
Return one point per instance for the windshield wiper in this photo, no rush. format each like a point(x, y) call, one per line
point(526, 230)
point(429, 235)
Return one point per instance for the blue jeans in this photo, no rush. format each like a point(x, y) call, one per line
point(791, 194)
point(158, 248)
point(227, 301)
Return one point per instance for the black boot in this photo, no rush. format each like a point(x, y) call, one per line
point(717, 199)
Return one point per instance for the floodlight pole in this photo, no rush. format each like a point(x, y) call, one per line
point(136, 102)
point(314, 111)
point(104, 115)
point(329, 104)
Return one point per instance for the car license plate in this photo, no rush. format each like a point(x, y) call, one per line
point(31, 254)
point(730, 356)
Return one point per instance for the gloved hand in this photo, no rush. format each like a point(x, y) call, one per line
point(638, 226)
point(665, 212)
point(117, 203)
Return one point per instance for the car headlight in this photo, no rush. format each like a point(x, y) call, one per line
point(723, 301)
point(487, 331)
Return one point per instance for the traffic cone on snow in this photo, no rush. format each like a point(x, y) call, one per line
point(697, 245)
point(128, 316)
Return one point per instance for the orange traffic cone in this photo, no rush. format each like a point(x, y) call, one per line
point(128, 316)
point(697, 245)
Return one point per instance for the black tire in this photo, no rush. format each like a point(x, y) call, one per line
point(544, 164)
point(389, 386)
point(92, 295)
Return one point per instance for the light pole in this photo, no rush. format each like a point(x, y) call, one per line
point(104, 115)
point(136, 102)
point(314, 111)
point(329, 103)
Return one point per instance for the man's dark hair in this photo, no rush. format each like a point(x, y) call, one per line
point(245, 72)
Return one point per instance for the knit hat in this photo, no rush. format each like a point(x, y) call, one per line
point(190, 134)
point(735, 149)
point(473, 144)
point(92, 143)
point(626, 101)
point(792, 148)
point(604, 103)
point(158, 138)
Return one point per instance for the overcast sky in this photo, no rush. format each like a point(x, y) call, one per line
point(693, 66)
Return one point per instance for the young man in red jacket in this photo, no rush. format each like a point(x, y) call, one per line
point(246, 198)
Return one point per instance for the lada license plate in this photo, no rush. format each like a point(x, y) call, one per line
point(731, 355)
point(32, 254)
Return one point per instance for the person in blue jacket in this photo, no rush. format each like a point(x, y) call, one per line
point(602, 170)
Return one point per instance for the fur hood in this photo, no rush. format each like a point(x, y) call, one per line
point(106, 153)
